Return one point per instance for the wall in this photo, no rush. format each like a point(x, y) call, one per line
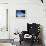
point(35, 12)
point(3, 1)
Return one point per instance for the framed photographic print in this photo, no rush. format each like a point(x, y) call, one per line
point(20, 13)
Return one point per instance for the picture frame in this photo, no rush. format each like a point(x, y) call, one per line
point(20, 13)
